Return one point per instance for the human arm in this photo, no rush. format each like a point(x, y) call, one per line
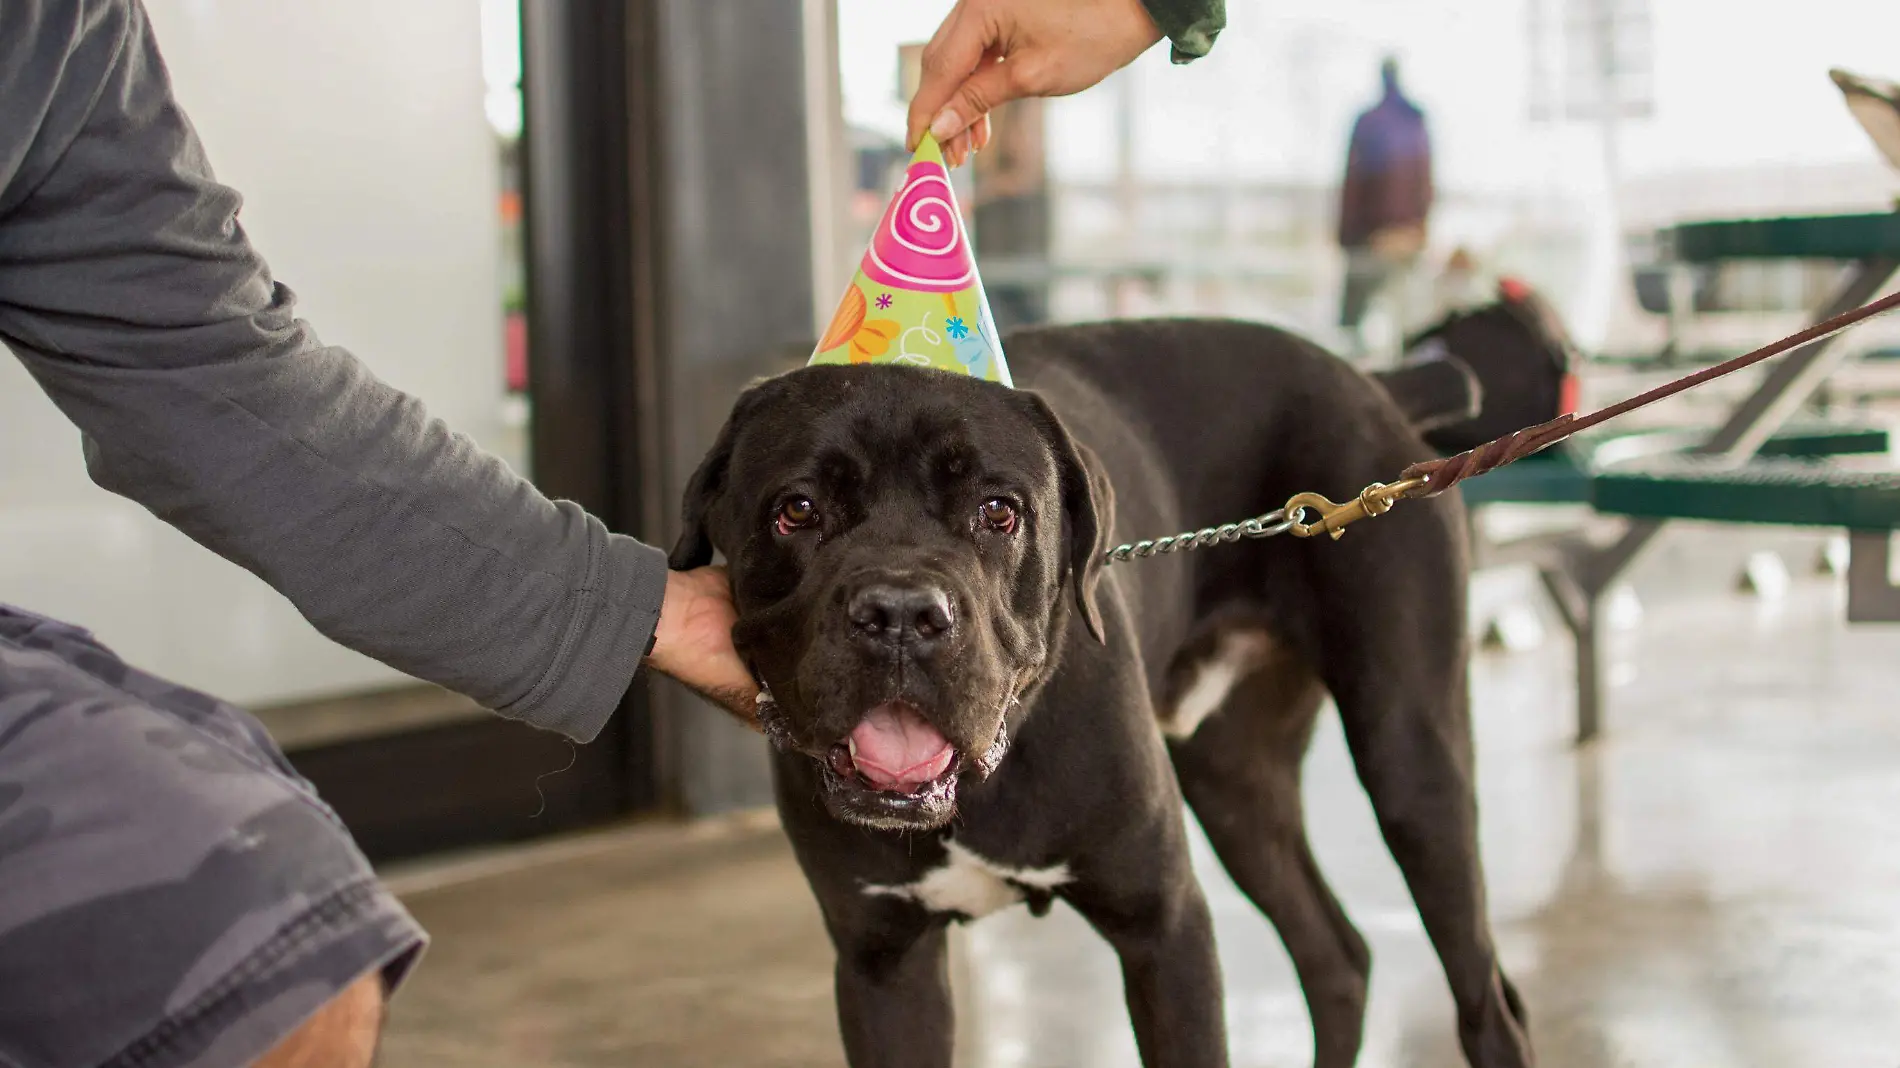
point(132, 294)
point(988, 52)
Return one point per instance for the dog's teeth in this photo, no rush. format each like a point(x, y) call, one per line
point(851, 746)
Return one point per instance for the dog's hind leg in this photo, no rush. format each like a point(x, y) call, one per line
point(1240, 771)
point(1388, 612)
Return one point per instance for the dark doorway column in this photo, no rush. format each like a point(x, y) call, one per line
point(735, 253)
point(670, 262)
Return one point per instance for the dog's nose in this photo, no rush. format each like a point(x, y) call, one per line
point(902, 615)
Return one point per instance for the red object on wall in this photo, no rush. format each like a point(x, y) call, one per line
point(515, 338)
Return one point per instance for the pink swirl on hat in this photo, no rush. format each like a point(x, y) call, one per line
point(920, 243)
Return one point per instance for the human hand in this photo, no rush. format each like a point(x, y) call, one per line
point(693, 643)
point(989, 52)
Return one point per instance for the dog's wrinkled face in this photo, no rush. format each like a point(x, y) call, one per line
point(900, 541)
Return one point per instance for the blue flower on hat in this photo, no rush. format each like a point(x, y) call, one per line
point(957, 328)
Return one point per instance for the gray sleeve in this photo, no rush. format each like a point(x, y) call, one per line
point(128, 288)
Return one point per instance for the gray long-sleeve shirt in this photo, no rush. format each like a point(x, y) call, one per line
point(129, 290)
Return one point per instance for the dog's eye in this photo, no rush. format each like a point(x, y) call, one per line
point(998, 514)
point(796, 514)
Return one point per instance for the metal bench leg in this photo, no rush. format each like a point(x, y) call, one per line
point(1589, 679)
point(1580, 612)
point(1871, 595)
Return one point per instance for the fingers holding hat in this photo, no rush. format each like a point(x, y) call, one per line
point(963, 77)
point(949, 57)
point(991, 84)
point(958, 150)
point(980, 134)
point(990, 52)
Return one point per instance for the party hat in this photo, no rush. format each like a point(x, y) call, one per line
point(916, 298)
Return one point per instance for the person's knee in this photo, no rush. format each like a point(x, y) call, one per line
point(342, 1034)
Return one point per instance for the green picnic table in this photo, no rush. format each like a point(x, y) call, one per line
point(1758, 466)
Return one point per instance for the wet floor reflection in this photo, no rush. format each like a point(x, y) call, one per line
point(1715, 883)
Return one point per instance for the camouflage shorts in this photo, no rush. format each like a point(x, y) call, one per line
point(171, 892)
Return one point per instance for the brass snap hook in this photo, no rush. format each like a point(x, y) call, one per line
point(1376, 499)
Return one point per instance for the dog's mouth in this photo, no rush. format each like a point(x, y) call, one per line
point(893, 750)
point(895, 770)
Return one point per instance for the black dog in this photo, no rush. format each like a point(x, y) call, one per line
point(970, 711)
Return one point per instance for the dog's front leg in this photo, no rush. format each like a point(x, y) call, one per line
point(1170, 970)
point(894, 1003)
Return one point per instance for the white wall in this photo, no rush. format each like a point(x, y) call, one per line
point(355, 130)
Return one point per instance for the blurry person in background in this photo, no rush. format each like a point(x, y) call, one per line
point(1384, 201)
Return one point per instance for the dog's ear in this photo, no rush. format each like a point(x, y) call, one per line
point(694, 547)
point(1088, 507)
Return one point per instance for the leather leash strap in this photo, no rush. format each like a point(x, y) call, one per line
point(1433, 477)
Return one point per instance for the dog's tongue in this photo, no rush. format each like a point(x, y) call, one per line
point(895, 749)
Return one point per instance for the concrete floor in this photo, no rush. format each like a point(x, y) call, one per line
point(1714, 883)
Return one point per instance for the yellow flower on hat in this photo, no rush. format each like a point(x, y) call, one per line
point(868, 340)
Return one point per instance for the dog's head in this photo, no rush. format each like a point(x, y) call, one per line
point(907, 550)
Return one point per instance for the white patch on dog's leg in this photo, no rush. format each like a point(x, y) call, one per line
point(1236, 654)
point(972, 885)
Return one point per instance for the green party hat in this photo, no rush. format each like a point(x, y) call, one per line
point(916, 298)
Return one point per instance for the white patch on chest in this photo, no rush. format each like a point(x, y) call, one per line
point(1237, 654)
point(972, 885)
